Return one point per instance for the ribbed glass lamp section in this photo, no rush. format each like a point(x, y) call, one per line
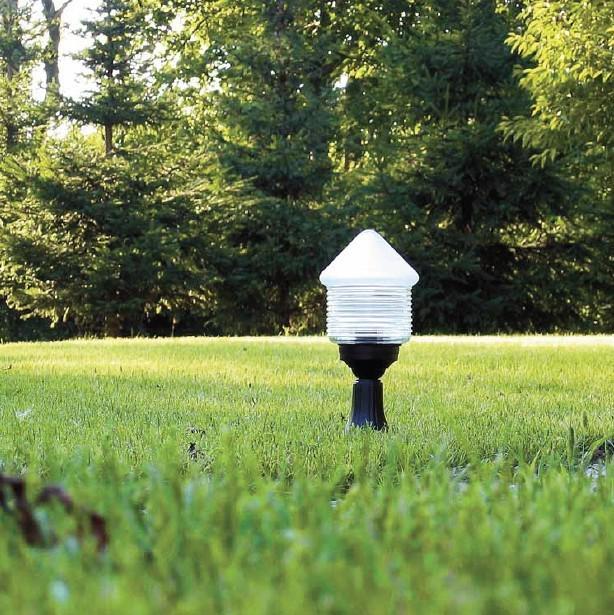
point(369, 293)
point(369, 314)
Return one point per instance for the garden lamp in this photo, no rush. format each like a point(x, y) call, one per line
point(369, 315)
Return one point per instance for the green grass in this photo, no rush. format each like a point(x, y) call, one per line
point(476, 500)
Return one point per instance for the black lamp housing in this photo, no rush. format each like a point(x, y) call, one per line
point(368, 363)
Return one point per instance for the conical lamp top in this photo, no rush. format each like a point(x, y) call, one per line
point(369, 260)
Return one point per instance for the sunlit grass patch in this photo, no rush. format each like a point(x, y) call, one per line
point(228, 484)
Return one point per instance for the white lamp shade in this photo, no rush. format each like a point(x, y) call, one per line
point(369, 293)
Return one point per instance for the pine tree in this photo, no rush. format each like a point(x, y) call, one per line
point(494, 236)
point(119, 58)
point(18, 52)
point(106, 235)
point(267, 72)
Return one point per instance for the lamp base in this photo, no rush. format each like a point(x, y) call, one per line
point(368, 405)
point(368, 362)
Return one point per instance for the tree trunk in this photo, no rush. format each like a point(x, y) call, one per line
point(9, 11)
point(108, 128)
point(113, 326)
point(108, 139)
point(53, 19)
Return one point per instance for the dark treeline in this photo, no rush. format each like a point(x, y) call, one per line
point(226, 151)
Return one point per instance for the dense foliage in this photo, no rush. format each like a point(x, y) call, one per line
point(226, 151)
point(571, 83)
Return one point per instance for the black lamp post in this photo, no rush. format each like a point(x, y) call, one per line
point(369, 316)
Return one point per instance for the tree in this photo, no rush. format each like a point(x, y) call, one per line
point(119, 58)
point(16, 53)
point(18, 113)
point(266, 73)
point(105, 243)
point(107, 239)
point(492, 235)
point(567, 48)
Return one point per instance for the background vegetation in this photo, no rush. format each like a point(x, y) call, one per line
point(227, 150)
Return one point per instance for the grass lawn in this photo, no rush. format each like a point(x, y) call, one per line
point(228, 484)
